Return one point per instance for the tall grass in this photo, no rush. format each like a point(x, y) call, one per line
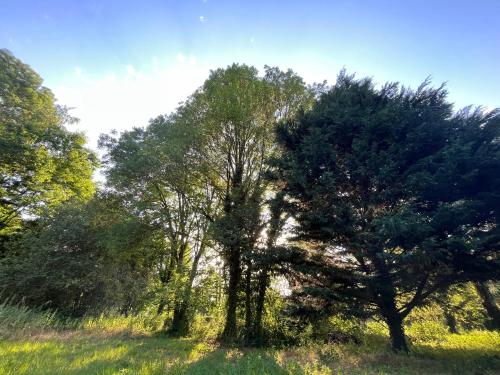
point(107, 344)
point(142, 323)
point(16, 319)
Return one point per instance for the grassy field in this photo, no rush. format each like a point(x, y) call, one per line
point(97, 351)
point(37, 342)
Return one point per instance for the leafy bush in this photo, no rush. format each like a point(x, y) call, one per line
point(426, 331)
point(207, 326)
point(86, 259)
point(338, 329)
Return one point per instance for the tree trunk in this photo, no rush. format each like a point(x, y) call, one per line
point(161, 307)
point(180, 322)
point(248, 301)
point(397, 334)
point(259, 308)
point(165, 277)
point(230, 330)
point(489, 304)
point(451, 321)
point(384, 293)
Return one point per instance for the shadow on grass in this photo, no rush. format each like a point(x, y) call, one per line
point(157, 354)
point(461, 359)
point(234, 361)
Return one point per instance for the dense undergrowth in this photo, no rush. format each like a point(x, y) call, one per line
point(40, 342)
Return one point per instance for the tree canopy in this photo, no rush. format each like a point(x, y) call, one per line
point(261, 203)
point(394, 195)
point(42, 163)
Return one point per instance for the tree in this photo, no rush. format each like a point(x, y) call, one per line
point(394, 195)
point(41, 163)
point(238, 110)
point(237, 133)
point(152, 171)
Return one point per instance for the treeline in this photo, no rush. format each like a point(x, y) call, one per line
point(364, 201)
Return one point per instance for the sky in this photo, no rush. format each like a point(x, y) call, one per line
point(120, 63)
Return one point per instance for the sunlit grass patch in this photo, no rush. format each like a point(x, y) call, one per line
point(95, 354)
point(476, 349)
point(133, 345)
point(143, 323)
point(84, 353)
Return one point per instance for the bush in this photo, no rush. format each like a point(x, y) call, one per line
point(85, 259)
point(338, 329)
point(427, 331)
point(143, 322)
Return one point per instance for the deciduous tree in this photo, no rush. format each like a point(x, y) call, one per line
point(41, 163)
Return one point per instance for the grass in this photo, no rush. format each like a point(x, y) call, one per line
point(130, 346)
point(100, 352)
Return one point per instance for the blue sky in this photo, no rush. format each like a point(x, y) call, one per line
point(120, 63)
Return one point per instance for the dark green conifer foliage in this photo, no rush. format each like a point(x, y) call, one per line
point(395, 196)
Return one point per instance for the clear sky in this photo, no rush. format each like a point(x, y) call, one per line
point(120, 63)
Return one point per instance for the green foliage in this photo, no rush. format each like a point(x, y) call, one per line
point(41, 163)
point(337, 329)
point(467, 306)
point(390, 198)
point(87, 258)
point(393, 196)
point(461, 301)
point(426, 330)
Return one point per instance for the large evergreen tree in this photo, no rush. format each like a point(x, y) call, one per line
point(394, 196)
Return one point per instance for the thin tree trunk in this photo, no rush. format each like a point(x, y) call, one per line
point(489, 304)
point(259, 308)
point(161, 307)
point(248, 301)
point(451, 321)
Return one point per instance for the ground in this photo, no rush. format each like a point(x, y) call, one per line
point(122, 352)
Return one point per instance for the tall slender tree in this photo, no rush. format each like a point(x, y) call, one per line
point(239, 110)
point(151, 169)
